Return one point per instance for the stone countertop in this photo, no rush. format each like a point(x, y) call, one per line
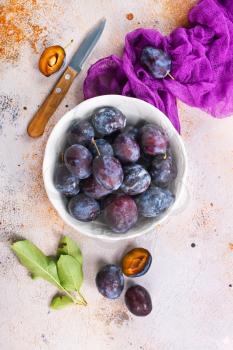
point(191, 278)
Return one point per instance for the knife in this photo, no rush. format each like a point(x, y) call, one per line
point(37, 125)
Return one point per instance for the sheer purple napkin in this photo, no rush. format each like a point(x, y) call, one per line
point(202, 64)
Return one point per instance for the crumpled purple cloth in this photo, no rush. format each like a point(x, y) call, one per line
point(202, 64)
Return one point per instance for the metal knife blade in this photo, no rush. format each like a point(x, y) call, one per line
point(87, 46)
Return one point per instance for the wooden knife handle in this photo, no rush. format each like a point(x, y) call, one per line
point(37, 125)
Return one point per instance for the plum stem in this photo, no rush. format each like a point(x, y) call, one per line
point(169, 74)
point(97, 149)
point(62, 157)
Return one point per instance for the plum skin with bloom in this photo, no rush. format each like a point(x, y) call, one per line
point(157, 62)
point(104, 147)
point(83, 208)
point(154, 201)
point(107, 120)
point(108, 172)
point(120, 213)
point(78, 160)
point(94, 189)
point(131, 131)
point(153, 140)
point(126, 149)
point(163, 170)
point(136, 179)
point(81, 132)
point(110, 281)
point(65, 182)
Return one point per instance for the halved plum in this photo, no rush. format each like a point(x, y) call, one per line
point(136, 262)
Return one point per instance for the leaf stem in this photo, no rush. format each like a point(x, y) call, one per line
point(74, 299)
point(68, 294)
point(83, 300)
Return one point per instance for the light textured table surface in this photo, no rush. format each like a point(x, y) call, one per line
point(190, 287)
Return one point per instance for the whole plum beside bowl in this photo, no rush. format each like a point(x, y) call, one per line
point(110, 281)
point(138, 300)
point(97, 175)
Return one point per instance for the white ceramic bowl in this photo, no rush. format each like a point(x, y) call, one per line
point(134, 110)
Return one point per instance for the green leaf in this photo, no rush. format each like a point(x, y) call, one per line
point(36, 262)
point(68, 247)
point(45, 267)
point(70, 272)
point(60, 301)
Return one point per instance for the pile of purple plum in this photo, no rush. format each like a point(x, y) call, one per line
point(115, 172)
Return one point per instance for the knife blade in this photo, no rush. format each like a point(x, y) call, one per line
point(37, 125)
point(87, 46)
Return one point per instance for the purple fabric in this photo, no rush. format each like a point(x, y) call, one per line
point(202, 64)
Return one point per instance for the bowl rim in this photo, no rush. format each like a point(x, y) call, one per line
point(115, 236)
